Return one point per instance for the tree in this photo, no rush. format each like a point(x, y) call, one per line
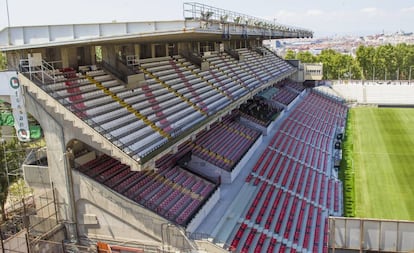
point(306, 57)
point(386, 62)
point(365, 59)
point(290, 55)
point(19, 190)
point(11, 158)
point(3, 62)
point(329, 59)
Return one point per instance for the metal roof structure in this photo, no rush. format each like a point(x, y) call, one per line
point(201, 21)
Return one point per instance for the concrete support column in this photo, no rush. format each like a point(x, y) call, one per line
point(152, 50)
point(59, 170)
point(185, 46)
point(137, 50)
point(13, 59)
point(69, 57)
point(167, 49)
point(93, 55)
point(64, 56)
point(227, 44)
point(130, 49)
point(217, 46)
point(109, 54)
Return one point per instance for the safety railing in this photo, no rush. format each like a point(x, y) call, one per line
point(198, 11)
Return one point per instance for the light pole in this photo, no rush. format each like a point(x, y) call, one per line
point(8, 14)
point(373, 74)
point(409, 75)
point(398, 74)
point(8, 22)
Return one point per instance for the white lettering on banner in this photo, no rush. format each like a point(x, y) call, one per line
point(19, 111)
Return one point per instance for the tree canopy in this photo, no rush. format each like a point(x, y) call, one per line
point(386, 62)
point(3, 62)
point(11, 158)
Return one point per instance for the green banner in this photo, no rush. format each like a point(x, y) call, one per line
point(6, 119)
point(35, 132)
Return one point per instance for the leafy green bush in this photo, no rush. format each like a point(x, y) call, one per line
point(346, 172)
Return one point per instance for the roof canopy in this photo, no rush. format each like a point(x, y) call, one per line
point(201, 21)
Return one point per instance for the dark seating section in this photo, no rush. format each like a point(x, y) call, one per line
point(225, 143)
point(259, 111)
point(295, 189)
point(264, 107)
point(171, 192)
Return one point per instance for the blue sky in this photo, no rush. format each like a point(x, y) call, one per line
point(324, 17)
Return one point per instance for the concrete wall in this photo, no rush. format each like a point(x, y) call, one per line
point(205, 168)
point(370, 234)
point(374, 93)
point(254, 125)
point(204, 211)
point(245, 159)
point(116, 217)
point(105, 214)
point(36, 176)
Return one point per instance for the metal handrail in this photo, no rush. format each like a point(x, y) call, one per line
point(43, 69)
point(62, 100)
point(197, 11)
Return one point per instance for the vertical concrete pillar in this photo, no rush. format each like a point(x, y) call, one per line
point(129, 49)
point(152, 50)
point(181, 46)
point(69, 57)
point(87, 55)
point(137, 50)
point(64, 56)
point(59, 169)
point(227, 44)
point(13, 59)
point(93, 55)
point(167, 49)
point(109, 54)
point(198, 49)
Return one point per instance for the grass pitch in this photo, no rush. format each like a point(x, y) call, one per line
point(383, 162)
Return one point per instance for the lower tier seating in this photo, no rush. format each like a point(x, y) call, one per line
point(171, 192)
point(295, 191)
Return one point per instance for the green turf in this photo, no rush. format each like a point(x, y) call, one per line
point(383, 162)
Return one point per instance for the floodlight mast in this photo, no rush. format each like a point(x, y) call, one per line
point(8, 13)
point(8, 21)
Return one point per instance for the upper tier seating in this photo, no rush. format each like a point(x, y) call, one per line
point(175, 96)
point(295, 189)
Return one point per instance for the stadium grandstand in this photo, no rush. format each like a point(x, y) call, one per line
point(177, 136)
